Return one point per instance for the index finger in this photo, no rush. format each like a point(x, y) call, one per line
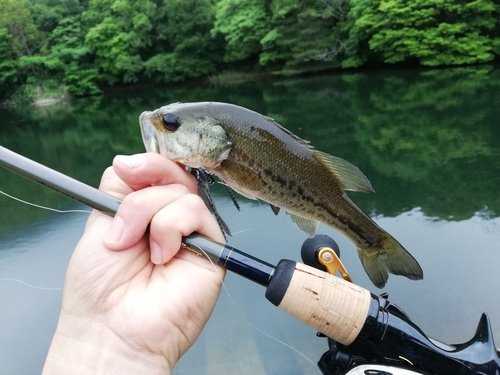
point(136, 172)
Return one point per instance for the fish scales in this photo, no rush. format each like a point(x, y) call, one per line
point(260, 159)
point(298, 192)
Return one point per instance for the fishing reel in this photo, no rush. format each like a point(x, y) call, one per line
point(400, 347)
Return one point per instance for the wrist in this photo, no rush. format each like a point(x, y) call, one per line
point(85, 346)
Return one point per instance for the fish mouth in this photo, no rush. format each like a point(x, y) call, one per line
point(148, 133)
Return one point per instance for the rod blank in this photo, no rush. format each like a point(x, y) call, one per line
point(58, 182)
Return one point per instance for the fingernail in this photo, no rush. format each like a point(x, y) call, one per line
point(156, 255)
point(115, 232)
point(133, 161)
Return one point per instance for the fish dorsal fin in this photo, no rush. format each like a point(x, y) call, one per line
point(349, 176)
point(308, 226)
point(288, 132)
point(276, 210)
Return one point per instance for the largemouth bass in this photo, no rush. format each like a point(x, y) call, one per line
point(260, 159)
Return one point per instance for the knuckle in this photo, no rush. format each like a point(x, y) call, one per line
point(194, 202)
point(179, 189)
point(162, 222)
point(133, 200)
point(108, 175)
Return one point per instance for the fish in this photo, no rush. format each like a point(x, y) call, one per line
point(260, 159)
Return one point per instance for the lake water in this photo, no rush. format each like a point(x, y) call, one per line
point(428, 140)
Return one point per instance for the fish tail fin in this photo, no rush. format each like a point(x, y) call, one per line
point(391, 257)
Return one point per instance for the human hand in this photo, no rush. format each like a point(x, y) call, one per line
point(132, 302)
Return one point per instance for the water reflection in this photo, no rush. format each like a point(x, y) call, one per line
point(33, 262)
point(429, 142)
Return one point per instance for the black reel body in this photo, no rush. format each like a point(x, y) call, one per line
point(391, 343)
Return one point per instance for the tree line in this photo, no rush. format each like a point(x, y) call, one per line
point(84, 46)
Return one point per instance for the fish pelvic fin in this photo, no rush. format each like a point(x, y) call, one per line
point(391, 257)
point(348, 175)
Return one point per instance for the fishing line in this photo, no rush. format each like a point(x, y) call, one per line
point(28, 285)
point(250, 323)
point(244, 230)
point(43, 207)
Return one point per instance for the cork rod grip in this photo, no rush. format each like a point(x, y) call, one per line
point(333, 306)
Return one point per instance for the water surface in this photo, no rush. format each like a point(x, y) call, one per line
point(428, 140)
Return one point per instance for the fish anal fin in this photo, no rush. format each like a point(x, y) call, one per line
point(308, 226)
point(276, 210)
point(349, 176)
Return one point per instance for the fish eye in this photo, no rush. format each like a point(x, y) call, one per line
point(171, 122)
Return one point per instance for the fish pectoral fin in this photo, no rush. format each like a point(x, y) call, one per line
point(306, 225)
point(233, 198)
point(349, 176)
point(244, 177)
point(204, 193)
point(276, 210)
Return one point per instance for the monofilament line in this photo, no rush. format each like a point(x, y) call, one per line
point(26, 284)
point(43, 207)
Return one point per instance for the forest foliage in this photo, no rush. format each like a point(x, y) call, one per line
point(80, 47)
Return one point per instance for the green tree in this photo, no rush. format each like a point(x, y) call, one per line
point(48, 13)
point(8, 64)
point(303, 35)
point(67, 62)
point(183, 47)
point(432, 32)
point(118, 30)
point(495, 32)
point(16, 17)
point(243, 24)
point(285, 35)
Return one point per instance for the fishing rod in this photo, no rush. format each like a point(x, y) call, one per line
point(227, 256)
point(367, 333)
